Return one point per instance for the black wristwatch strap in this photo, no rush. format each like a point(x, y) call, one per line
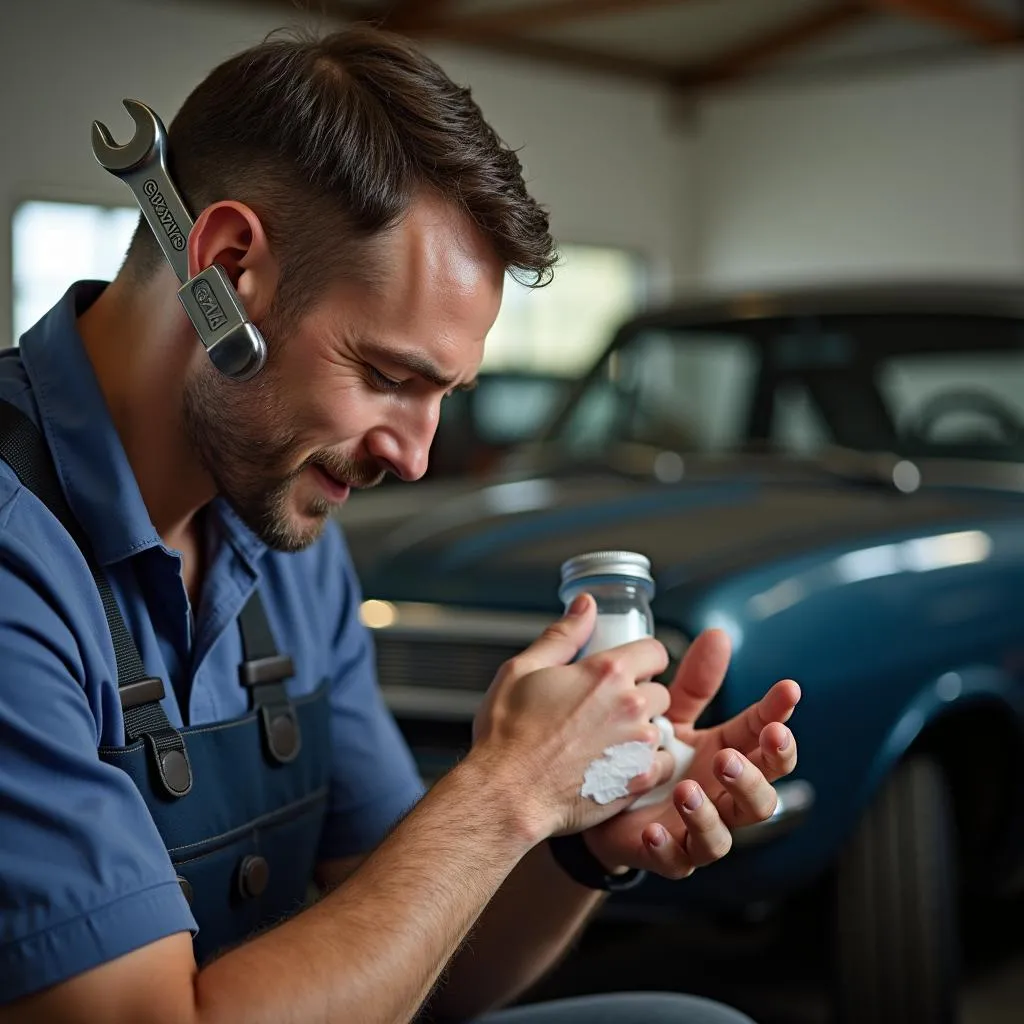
point(573, 856)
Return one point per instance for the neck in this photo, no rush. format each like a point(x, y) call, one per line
point(141, 346)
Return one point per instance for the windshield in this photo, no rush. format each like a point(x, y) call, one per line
point(948, 386)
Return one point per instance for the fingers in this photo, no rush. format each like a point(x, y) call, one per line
point(707, 837)
point(748, 796)
point(640, 659)
point(656, 700)
point(660, 772)
point(776, 705)
point(776, 753)
point(700, 675)
point(666, 857)
point(704, 840)
point(561, 641)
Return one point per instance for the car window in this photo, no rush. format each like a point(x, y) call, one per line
point(511, 408)
point(692, 397)
point(920, 385)
point(963, 400)
point(798, 425)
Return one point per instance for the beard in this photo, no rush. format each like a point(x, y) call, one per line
point(239, 432)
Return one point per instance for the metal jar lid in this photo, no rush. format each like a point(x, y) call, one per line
point(607, 563)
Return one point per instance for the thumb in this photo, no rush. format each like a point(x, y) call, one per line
point(562, 640)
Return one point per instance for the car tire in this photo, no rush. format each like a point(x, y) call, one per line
point(896, 923)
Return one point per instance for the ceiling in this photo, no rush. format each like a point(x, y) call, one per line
point(697, 44)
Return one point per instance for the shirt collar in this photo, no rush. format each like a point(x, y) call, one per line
point(238, 535)
point(91, 461)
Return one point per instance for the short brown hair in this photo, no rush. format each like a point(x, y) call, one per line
point(329, 139)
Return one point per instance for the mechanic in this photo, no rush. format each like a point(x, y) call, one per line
point(192, 732)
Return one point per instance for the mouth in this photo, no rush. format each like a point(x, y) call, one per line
point(336, 491)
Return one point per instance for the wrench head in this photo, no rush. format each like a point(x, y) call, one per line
point(149, 136)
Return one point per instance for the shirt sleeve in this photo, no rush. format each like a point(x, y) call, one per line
point(84, 875)
point(374, 780)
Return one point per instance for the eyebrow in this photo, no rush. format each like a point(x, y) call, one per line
point(415, 363)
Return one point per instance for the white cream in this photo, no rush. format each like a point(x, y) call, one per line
point(613, 630)
point(607, 777)
point(682, 753)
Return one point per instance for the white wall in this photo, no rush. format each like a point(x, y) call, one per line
point(601, 155)
point(905, 173)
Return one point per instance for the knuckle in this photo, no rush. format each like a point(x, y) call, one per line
point(631, 704)
point(513, 667)
point(556, 631)
point(610, 666)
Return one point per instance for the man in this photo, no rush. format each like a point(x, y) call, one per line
point(189, 715)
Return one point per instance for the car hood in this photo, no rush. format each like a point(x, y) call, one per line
point(502, 544)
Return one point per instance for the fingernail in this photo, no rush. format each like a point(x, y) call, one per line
point(784, 744)
point(658, 836)
point(693, 799)
point(733, 768)
point(578, 605)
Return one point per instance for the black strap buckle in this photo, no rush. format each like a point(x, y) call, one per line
point(266, 670)
point(145, 691)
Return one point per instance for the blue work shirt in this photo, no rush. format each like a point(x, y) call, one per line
point(84, 876)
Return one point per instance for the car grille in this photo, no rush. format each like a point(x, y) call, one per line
point(440, 663)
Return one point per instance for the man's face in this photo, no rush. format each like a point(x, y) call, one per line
point(353, 389)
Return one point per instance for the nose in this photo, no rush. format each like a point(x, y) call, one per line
point(403, 444)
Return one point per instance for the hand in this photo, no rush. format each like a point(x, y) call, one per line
point(544, 720)
point(728, 783)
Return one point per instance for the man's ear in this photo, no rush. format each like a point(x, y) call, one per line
point(230, 233)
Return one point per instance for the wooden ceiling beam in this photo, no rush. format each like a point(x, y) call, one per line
point(748, 57)
point(402, 14)
point(518, 20)
point(959, 15)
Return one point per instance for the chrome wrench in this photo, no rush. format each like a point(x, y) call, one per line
point(233, 343)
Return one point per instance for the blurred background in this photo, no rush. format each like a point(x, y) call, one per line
point(738, 172)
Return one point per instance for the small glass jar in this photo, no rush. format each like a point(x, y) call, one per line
point(621, 584)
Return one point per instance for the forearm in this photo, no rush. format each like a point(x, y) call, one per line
point(372, 949)
point(524, 931)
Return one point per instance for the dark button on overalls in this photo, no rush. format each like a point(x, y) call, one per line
point(239, 804)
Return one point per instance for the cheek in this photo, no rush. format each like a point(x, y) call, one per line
point(337, 413)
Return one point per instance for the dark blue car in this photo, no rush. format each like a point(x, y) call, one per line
point(835, 476)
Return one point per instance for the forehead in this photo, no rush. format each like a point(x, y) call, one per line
point(436, 288)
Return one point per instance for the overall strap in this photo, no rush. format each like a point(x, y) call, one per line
point(24, 449)
point(263, 673)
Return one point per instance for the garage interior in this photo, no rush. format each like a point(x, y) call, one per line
point(687, 150)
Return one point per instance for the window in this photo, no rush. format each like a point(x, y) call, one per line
point(687, 390)
point(562, 328)
point(54, 244)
